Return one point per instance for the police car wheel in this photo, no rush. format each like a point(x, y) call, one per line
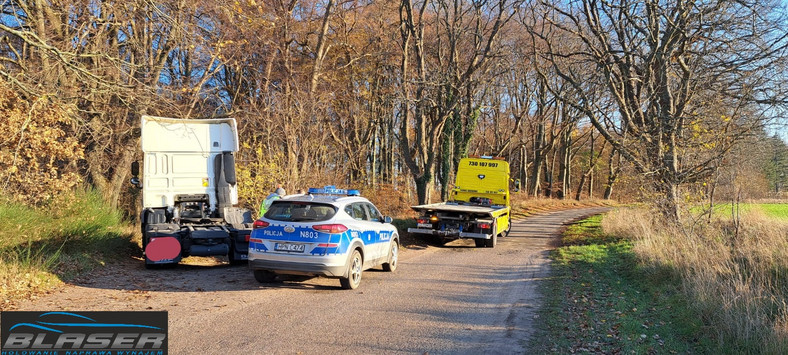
point(393, 256)
point(264, 276)
point(354, 271)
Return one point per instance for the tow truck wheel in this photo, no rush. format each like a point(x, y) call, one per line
point(490, 243)
point(354, 271)
point(393, 255)
point(264, 276)
point(508, 228)
point(480, 243)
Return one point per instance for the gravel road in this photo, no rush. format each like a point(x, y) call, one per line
point(451, 299)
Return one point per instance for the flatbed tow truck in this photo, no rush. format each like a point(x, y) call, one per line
point(479, 207)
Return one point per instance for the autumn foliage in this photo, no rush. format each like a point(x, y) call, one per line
point(39, 151)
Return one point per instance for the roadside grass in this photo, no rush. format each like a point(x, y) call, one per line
point(599, 299)
point(733, 273)
point(41, 247)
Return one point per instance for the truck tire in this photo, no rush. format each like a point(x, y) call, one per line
point(264, 276)
point(508, 228)
point(480, 243)
point(490, 243)
point(231, 256)
point(354, 271)
point(391, 265)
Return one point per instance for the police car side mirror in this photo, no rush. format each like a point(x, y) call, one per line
point(387, 219)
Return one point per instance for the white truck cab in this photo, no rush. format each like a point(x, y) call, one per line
point(189, 190)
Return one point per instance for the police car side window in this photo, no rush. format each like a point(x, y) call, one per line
point(358, 212)
point(349, 210)
point(374, 215)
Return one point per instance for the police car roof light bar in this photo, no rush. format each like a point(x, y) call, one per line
point(332, 190)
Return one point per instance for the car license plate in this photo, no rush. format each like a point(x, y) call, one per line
point(290, 247)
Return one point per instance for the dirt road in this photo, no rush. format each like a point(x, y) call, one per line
point(452, 299)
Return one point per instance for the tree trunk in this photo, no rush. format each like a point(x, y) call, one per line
point(423, 187)
point(612, 172)
point(580, 186)
point(565, 168)
point(523, 167)
point(534, 188)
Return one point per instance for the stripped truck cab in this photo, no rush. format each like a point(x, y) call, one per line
point(189, 191)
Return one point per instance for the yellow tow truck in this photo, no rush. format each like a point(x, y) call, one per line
point(479, 207)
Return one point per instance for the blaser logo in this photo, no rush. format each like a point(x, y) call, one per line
point(84, 333)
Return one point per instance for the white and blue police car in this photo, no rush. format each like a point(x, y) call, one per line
point(328, 232)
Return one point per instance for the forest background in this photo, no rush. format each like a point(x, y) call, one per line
point(660, 101)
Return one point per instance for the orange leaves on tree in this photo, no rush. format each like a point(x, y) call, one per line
point(39, 151)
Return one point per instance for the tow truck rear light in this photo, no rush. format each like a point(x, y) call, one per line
point(260, 224)
point(434, 219)
point(330, 228)
point(485, 225)
point(423, 220)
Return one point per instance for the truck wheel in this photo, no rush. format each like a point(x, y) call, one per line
point(231, 256)
point(490, 243)
point(264, 276)
point(393, 255)
point(354, 271)
point(508, 228)
point(480, 243)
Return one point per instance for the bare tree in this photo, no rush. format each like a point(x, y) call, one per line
point(688, 78)
point(464, 38)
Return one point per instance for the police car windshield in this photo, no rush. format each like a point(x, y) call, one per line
point(300, 211)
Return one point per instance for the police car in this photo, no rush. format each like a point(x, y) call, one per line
point(328, 232)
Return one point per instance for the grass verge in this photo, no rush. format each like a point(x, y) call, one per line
point(601, 300)
point(41, 247)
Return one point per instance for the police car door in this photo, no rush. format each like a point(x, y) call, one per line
point(362, 228)
point(382, 236)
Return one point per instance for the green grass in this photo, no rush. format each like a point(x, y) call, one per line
point(41, 246)
point(774, 210)
point(600, 300)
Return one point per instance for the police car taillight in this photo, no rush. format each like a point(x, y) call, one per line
point(260, 224)
point(330, 228)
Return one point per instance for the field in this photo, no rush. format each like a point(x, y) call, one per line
point(631, 283)
point(726, 210)
point(776, 210)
